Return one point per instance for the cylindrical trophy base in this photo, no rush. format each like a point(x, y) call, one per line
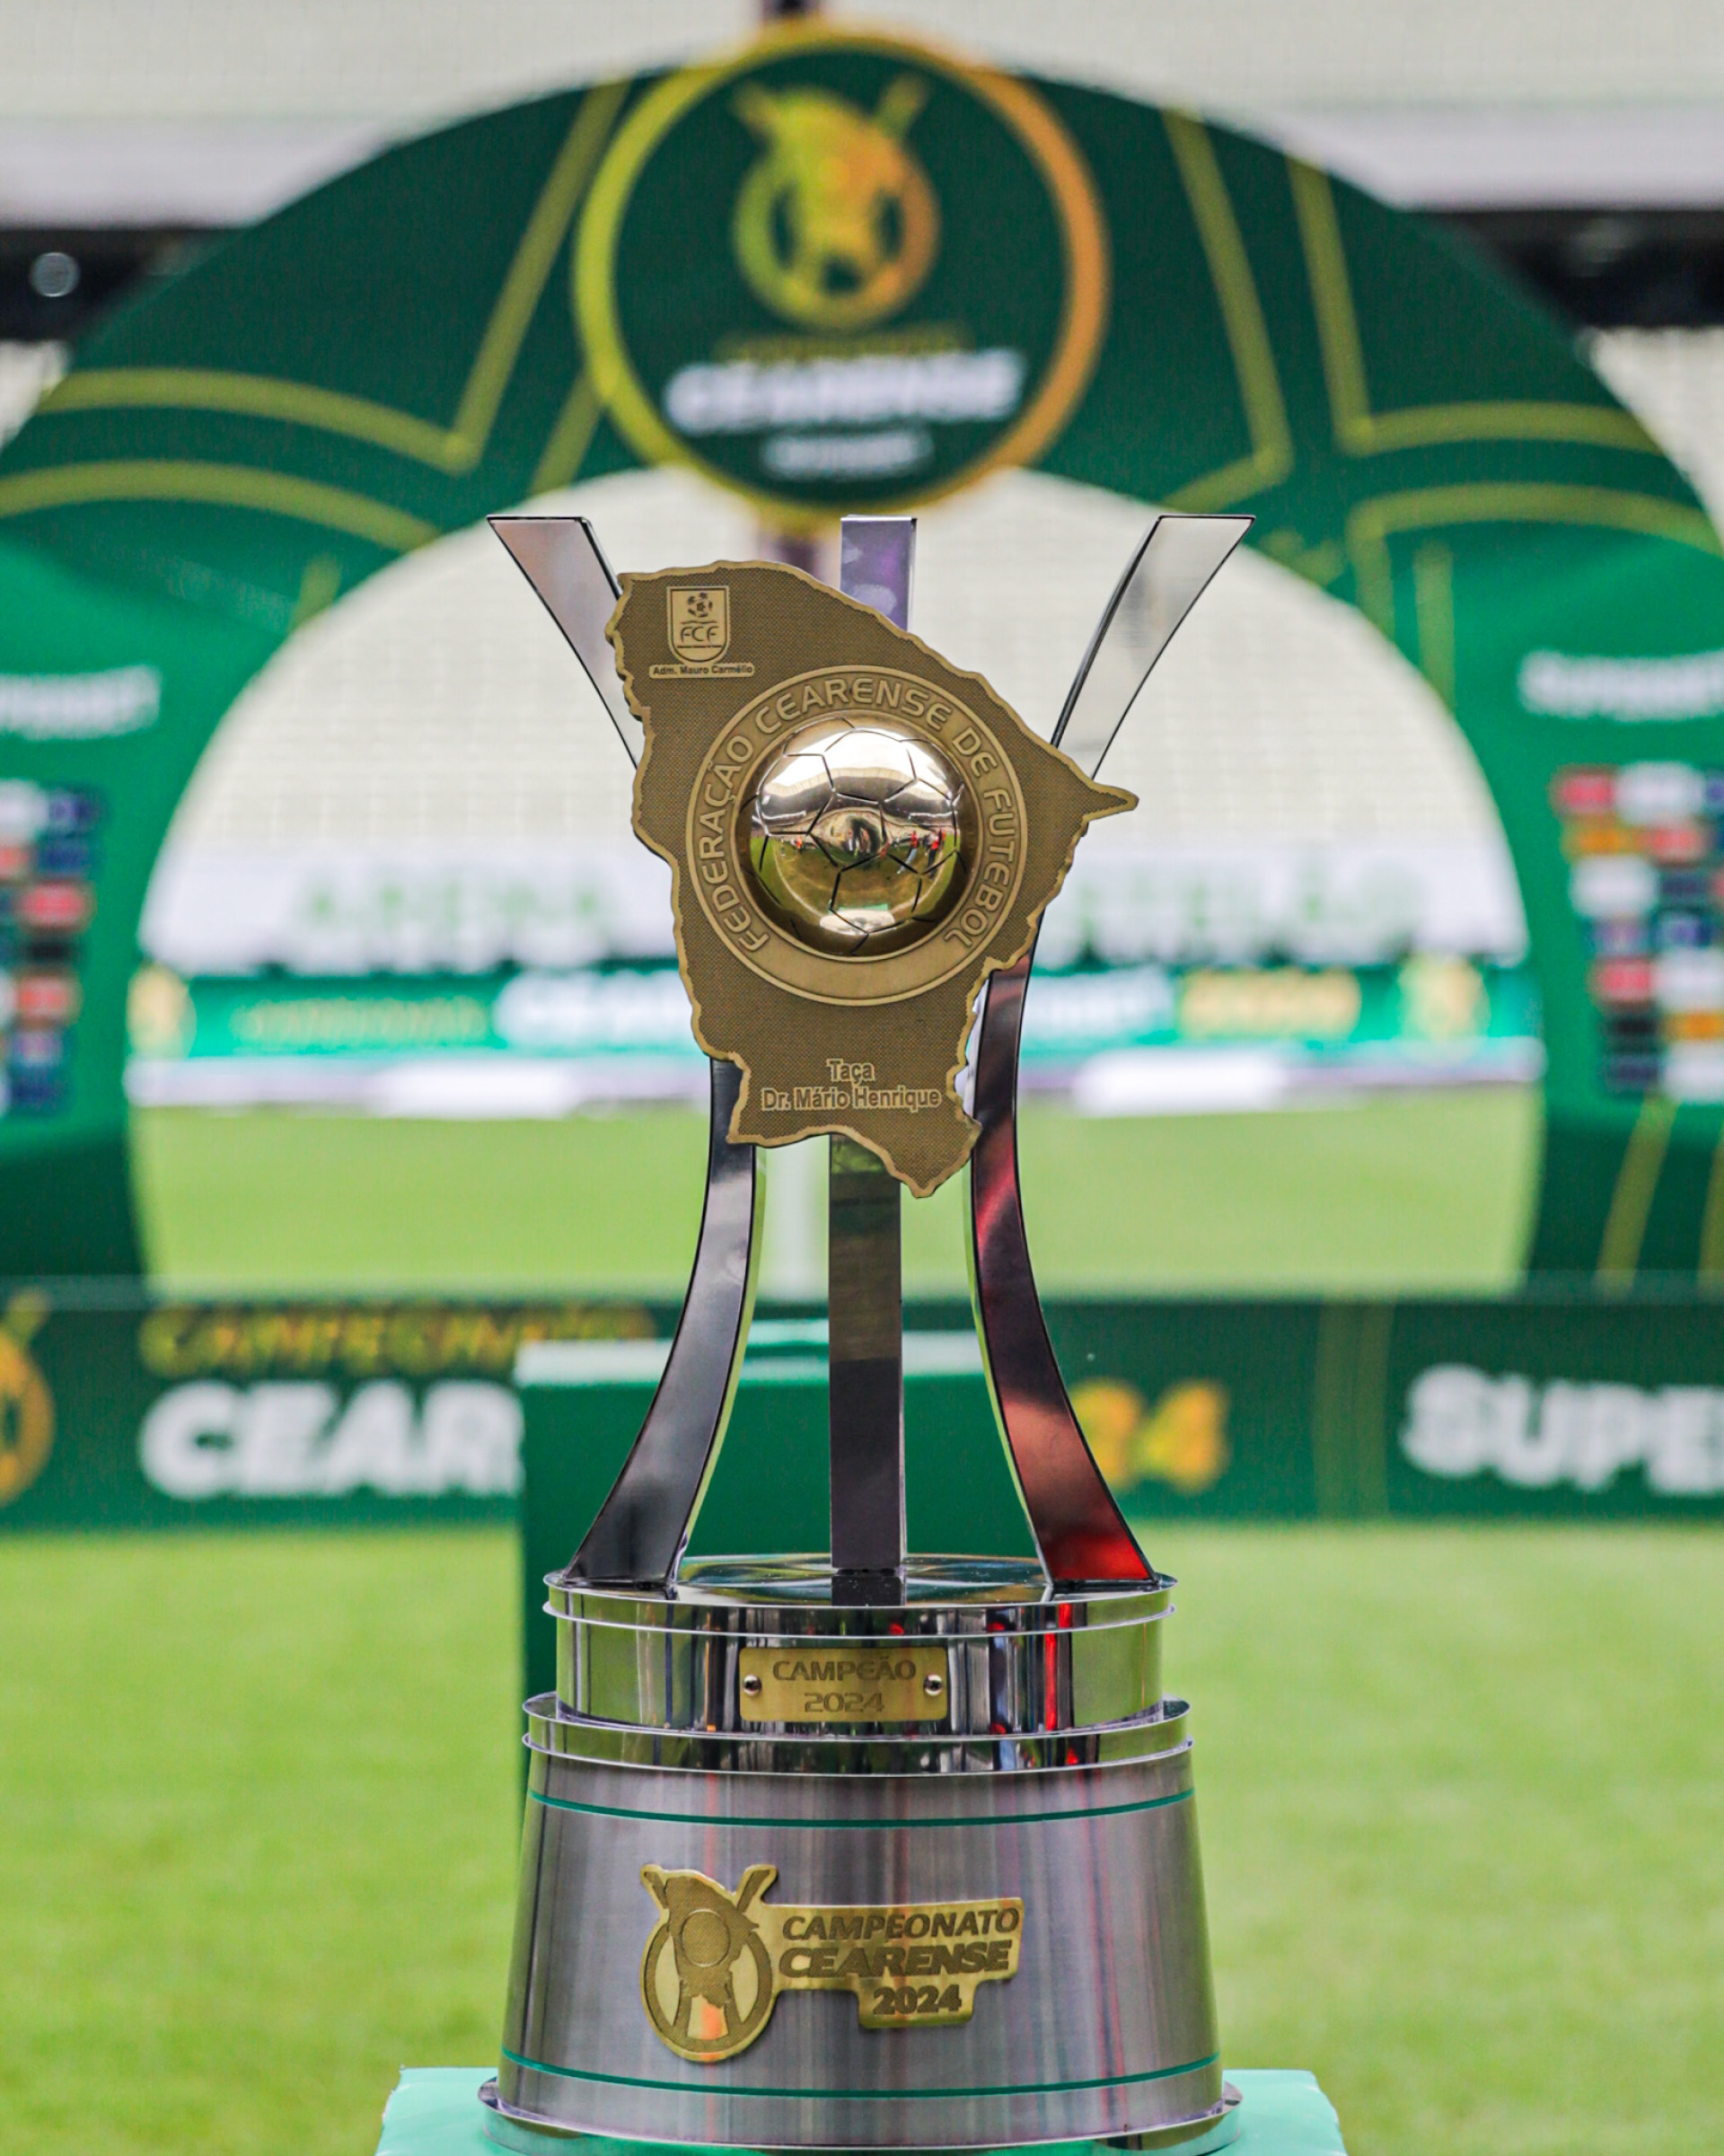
point(1094, 2016)
point(799, 1874)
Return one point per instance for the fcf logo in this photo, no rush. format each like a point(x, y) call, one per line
point(700, 623)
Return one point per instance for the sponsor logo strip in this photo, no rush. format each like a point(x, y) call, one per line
point(1462, 1422)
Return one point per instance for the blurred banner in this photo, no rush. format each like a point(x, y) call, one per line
point(120, 1412)
point(507, 980)
point(467, 907)
point(1127, 1040)
point(843, 272)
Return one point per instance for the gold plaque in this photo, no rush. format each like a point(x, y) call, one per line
point(855, 845)
point(857, 1681)
point(717, 1962)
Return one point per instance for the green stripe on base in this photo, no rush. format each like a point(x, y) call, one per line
point(1111, 2081)
point(655, 1818)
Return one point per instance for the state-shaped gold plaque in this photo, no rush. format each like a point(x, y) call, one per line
point(858, 834)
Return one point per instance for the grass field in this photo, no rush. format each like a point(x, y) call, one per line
point(1460, 1801)
point(1427, 1192)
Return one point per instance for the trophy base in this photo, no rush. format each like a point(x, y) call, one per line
point(800, 1874)
point(1215, 2129)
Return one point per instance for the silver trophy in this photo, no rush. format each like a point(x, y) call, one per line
point(947, 1796)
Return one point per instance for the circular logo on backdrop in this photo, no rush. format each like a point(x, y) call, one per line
point(840, 273)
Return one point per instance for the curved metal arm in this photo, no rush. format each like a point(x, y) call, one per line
point(1164, 578)
point(562, 559)
point(1079, 1530)
point(643, 1526)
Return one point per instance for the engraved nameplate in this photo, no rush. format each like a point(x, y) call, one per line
point(846, 1683)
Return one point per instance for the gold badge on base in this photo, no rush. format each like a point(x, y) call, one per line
point(715, 1963)
point(854, 849)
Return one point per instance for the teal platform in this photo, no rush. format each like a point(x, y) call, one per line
point(434, 2112)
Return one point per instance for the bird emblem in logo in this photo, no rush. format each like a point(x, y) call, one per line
point(836, 224)
point(706, 1979)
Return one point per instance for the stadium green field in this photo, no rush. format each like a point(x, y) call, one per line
point(1425, 1191)
point(1460, 1811)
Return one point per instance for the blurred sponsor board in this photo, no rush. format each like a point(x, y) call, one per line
point(1565, 1408)
point(473, 906)
point(48, 861)
point(116, 1411)
point(1126, 1039)
point(1645, 847)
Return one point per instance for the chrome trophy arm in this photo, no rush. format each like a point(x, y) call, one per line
point(1164, 578)
point(1078, 1528)
point(560, 556)
point(643, 1526)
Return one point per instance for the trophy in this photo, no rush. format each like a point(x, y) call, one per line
point(943, 1796)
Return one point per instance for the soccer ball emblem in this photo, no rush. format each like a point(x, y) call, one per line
point(855, 835)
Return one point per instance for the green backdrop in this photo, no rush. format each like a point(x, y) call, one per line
point(845, 273)
point(120, 1410)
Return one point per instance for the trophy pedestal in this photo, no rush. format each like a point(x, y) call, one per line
point(432, 2112)
point(966, 1825)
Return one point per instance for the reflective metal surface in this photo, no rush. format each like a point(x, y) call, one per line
point(560, 1734)
point(561, 558)
point(1212, 2131)
point(866, 1374)
point(1106, 2027)
point(856, 835)
point(643, 1526)
point(877, 564)
point(1161, 582)
point(800, 1597)
point(1078, 1528)
point(1222, 2131)
point(743, 1662)
point(741, 1751)
point(864, 1247)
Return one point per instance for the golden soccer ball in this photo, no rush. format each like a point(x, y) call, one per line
point(856, 836)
